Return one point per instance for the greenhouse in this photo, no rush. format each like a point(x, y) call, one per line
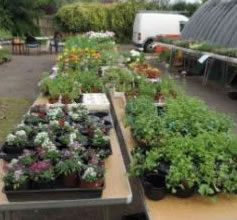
point(214, 22)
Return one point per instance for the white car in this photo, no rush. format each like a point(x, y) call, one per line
point(150, 24)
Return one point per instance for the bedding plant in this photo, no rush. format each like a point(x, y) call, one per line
point(60, 150)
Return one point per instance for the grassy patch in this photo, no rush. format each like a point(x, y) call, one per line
point(11, 111)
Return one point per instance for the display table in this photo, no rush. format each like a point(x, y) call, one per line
point(172, 208)
point(117, 188)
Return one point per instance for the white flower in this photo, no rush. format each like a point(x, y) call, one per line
point(41, 138)
point(49, 145)
point(11, 138)
point(21, 133)
point(14, 161)
point(107, 34)
point(89, 173)
point(18, 174)
point(134, 53)
point(54, 123)
point(54, 112)
point(72, 137)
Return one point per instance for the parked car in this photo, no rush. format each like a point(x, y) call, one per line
point(149, 24)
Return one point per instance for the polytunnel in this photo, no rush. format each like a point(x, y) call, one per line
point(215, 22)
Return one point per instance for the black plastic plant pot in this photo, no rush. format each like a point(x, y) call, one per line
point(184, 193)
point(12, 150)
point(154, 186)
point(42, 185)
point(138, 216)
point(163, 168)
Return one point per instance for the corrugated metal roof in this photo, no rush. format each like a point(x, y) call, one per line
point(215, 22)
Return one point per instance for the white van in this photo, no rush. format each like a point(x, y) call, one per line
point(150, 24)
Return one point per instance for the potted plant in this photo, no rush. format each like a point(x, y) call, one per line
point(42, 175)
point(154, 186)
point(69, 169)
point(77, 113)
point(16, 142)
point(16, 179)
point(55, 112)
point(100, 140)
point(27, 158)
point(92, 177)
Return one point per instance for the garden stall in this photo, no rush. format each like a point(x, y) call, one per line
point(116, 189)
point(196, 207)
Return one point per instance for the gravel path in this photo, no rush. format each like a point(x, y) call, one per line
point(19, 78)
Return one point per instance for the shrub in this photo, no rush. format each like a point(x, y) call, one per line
point(117, 17)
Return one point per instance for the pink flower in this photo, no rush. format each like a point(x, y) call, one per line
point(40, 166)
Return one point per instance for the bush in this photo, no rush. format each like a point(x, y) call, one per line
point(117, 17)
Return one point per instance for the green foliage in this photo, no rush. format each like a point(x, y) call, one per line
point(4, 55)
point(190, 116)
point(119, 78)
point(185, 7)
point(64, 85)
point(117, 17)
point(19, 16)
point(4, 34)
point(194, 141)
point(68, 167)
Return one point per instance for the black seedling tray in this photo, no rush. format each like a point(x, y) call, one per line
point(53, 194)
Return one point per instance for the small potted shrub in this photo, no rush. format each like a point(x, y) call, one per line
point(16, 179)
point(42, 175)
point(16, 142)
point(68, 169)
point(92, 177)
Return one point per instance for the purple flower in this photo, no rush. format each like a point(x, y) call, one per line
point(66, 153)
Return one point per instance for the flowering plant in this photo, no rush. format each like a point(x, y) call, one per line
point(99, 139)
point(55, 112)
point(93, 173)
point(79, 58)
point(135, 56)
point(78, 113)
point(103, 35)
point(18, 139)
point(15, 178)
point(42, 171)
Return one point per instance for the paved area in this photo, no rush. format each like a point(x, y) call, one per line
point(19, 77)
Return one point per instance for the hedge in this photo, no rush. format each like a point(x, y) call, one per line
point(117, 17)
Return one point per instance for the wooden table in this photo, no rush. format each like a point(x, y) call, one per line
point(172, 208)
point(117, 190)
point(18, 47)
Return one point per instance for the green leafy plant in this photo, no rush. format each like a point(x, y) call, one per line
point(69, 166)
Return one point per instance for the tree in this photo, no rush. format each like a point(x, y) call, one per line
point(19, 16)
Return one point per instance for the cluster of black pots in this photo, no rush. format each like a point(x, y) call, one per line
point(154, 184)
